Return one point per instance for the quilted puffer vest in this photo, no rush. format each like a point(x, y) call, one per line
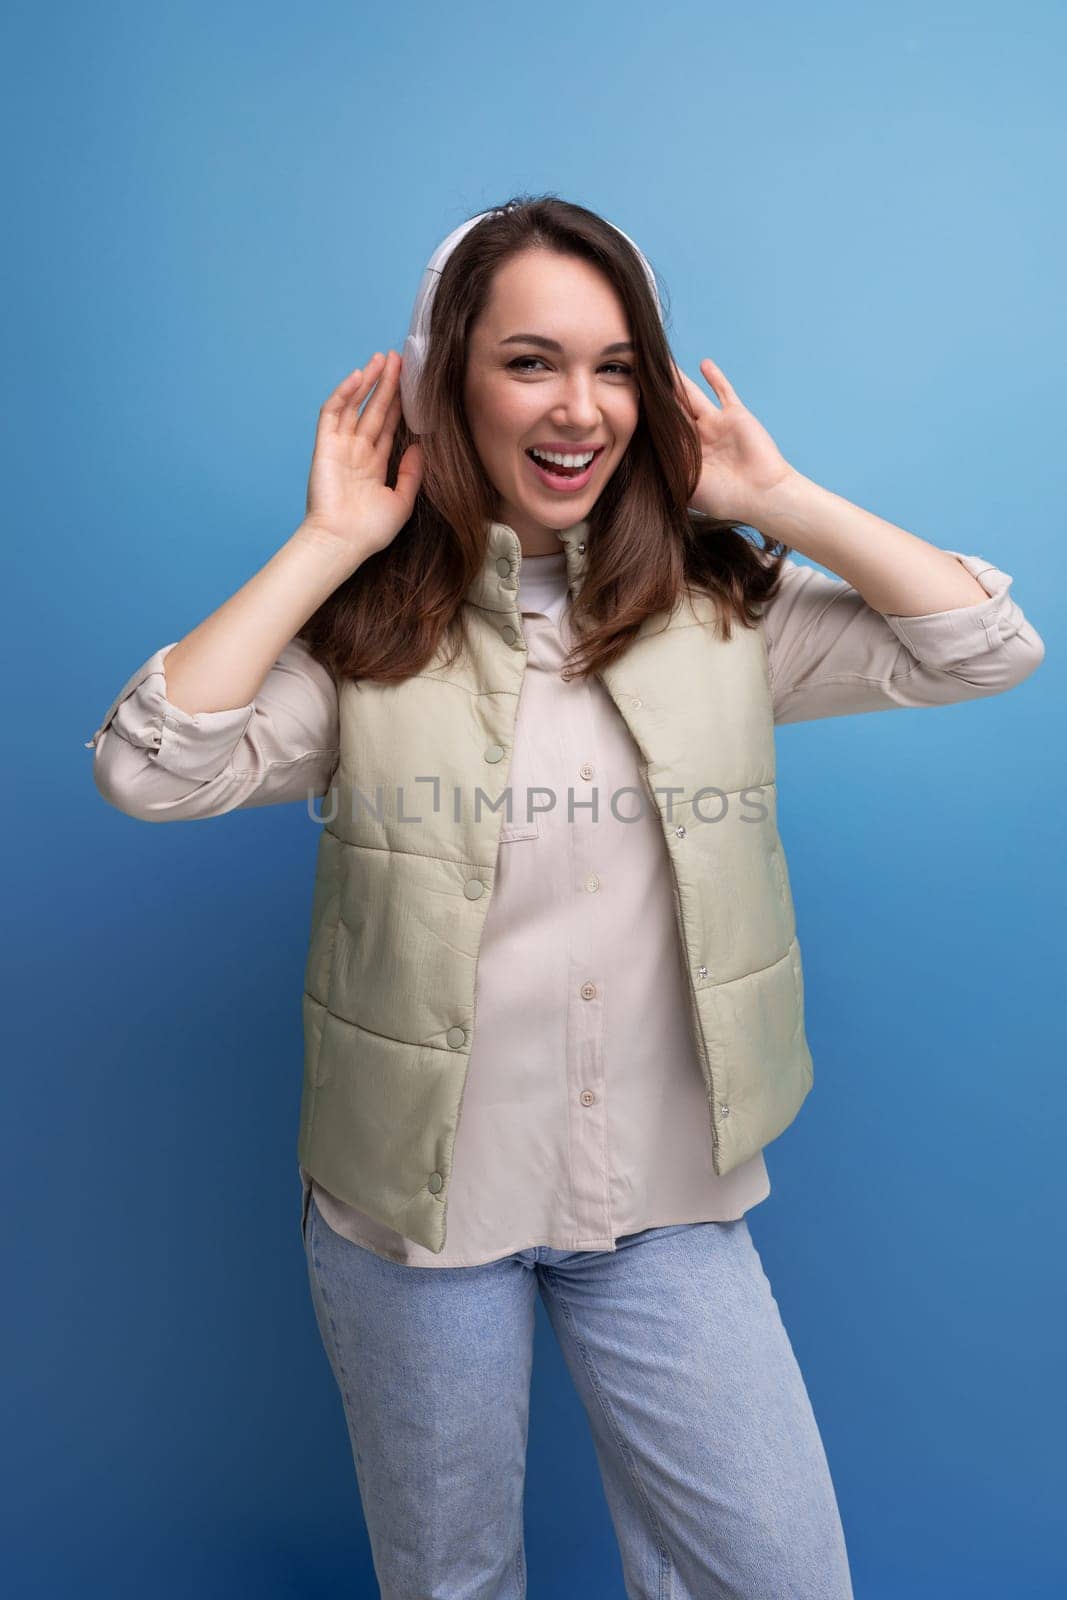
point(406, 867)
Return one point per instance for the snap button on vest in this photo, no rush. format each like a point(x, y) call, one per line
point(508, 634)
point(435, 1183)
point(503, 566)
point(637, 704)
point(455, 1037)
point(494, 752)
point(680, 831)
point(724, 1110)
point(702, 972)
point(474, 888)
point(581, 547)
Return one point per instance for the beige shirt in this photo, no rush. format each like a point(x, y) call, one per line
point(585, 1114)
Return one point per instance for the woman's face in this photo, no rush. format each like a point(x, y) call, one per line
point(577, 393)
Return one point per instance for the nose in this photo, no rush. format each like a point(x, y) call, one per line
point(578, 408)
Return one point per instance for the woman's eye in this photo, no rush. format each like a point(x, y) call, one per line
point(522, 364)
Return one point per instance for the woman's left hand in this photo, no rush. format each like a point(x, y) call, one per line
point(742, 463)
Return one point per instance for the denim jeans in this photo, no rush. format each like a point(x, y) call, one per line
point(713, 1467)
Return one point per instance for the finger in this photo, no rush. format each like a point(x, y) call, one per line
point(718, 380)
point(384, 441)
point(689, 394)
point(409, 477)
point(396, 409)
point(372, 417)
point(678, 377)
point(346, 385)
point(333, 409)
point(346, 417)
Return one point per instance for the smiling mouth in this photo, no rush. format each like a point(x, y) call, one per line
point(560, 478)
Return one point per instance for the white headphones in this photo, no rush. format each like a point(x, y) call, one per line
point(417, 343)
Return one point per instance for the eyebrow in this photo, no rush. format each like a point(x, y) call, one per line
point(552, 344)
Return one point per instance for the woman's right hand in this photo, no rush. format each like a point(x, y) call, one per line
point(348, 498)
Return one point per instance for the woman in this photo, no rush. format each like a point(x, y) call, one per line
point(548, 1030)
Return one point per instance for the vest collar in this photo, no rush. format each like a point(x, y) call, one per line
point(495, 587)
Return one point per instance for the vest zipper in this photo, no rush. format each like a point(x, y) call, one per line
point(697, 1026)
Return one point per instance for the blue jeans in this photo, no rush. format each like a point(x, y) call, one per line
point(713, 1467)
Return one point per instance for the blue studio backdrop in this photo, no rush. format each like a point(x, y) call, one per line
point(214, 214)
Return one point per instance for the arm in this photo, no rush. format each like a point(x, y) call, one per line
point(238, 713)
point(214, 721)
point(831, 653)
point(221, 664)
point(159, 763)
point(895, 571)
point(901, 622)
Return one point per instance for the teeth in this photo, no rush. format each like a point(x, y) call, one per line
point(564, 461)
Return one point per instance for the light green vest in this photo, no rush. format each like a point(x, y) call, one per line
point(399, 904)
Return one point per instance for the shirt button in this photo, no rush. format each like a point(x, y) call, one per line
point(588, 991)
point(474, 888)
point(435, 1183)
point(587, 1097)
point(592, 883)
point(566, 674)
point(587, 769)
point(494, 752)
point(455, 1037)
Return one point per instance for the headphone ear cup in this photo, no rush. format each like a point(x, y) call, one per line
point(418, 338)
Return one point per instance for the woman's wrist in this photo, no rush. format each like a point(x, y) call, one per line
point(338, 557)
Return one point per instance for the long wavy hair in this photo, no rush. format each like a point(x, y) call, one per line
point(645, 544)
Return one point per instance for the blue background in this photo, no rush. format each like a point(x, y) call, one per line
point(213, 216)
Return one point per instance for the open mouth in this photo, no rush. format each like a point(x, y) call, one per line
point(564, 479)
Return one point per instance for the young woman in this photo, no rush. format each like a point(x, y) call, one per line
point(553, 1005)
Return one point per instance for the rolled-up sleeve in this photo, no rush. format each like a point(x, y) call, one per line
point(831, 654)
point(159, 763)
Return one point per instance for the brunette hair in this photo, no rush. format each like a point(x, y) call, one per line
point(645, 543)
